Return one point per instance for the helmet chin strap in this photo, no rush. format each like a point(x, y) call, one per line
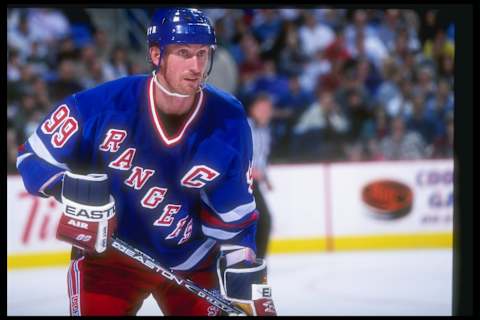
point(172, 94)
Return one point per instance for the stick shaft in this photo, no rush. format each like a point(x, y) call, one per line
point(153, 265)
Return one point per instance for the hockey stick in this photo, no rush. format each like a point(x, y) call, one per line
point(149, 262)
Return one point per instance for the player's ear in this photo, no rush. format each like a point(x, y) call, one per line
point(154, 53)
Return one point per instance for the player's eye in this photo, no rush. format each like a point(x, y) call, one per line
point(184, 53)
point(202, 53)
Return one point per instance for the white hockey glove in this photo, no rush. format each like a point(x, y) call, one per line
point(88, 218)
point(243, 280)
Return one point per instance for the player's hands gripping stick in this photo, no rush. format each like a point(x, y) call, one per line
point(88, 218)
point(243, 280)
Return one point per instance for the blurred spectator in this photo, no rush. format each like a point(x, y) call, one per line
point(410, 65)
point(429, 25)
point(13, 65)
point(66, 82)
point(41, 94)
point(402, 144)
point(372, 150)
point(443, 99)
point(402, 52)
point(446, 69)
point(381, 123)
point(27, 108)
point(118, 65)
point(315, 69)
point(370, 48)
point(137, 68)
point(369, 76)
point(26, 74)
point(93, 70)
point(287, 53)
point(420, 121)
point(359, 24)
point(321, 130)
point(389, 25)
point(266, 25)
point(251, 63)
point(270, 81)
point(403, 22)
point(425, 83)
point(87, 55)
point(224, 30)
point(102, 44)
point(338, 58)
point(67, 50)
point(439, 106)
point(48, 24)
point(351, 77)
point(247, 18)
point(401, 102)
point(250, 67)
point(443, 144)
point(294, 100)
point(81, 24)
point(358, 114)
point(337, 49)
point(38, 58)
point(86, 66)
point(374, 131)
point(21, 86)
point(224, 72)
point(334, 18)
point(32, 122)
point(314, 36)
point(12, 144)
point(260, 114)
point(354, 151)
point(240, 30)
point(362, 40)
point(438, 47)
point(21, 37)
point(389, 87)
point(291, 104)
point(95, 74)
point(412, 21)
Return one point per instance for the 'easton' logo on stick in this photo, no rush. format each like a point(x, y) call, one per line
point(149, 262)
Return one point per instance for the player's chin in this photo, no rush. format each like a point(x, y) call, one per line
point(191, 87)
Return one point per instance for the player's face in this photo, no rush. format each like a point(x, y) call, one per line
point(262, 112)
point(184, 66)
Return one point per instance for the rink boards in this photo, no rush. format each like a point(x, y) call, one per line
point(315, 207)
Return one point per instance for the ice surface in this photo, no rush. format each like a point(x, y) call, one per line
point(402, 282)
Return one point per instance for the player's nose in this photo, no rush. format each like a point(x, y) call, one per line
point(196, 66)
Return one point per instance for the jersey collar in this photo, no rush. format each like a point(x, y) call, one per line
point(170, 141)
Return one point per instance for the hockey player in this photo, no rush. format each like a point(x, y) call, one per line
point(163, 161)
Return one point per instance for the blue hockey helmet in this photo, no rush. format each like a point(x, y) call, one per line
point(180, 25)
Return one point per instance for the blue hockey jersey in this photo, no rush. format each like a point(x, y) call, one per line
point(177, 197)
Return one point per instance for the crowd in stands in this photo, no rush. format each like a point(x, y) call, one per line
point(346, 84)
